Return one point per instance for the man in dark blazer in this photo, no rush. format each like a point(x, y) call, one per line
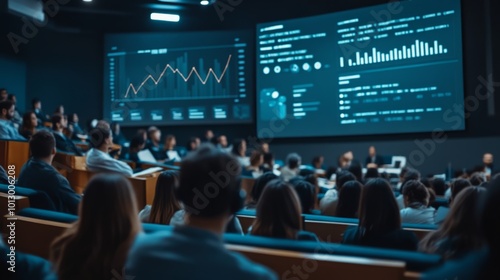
point(373, 159)
point(39, 174)
point(63, 143)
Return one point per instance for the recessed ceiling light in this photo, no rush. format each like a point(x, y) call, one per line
point(165, 17)
point(204, 2)
point(87, 0)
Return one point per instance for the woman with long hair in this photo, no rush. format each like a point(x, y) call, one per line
point(165, 203)
point(348, 203)
point(30, 123)
point(460, 231)
point(279, 213)
point(98, 243)
point(379, 220)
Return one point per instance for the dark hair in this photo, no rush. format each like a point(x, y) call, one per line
point(316, 159)
point(348, 202)
point(255, 158)
point(98, 136)
point(34, 101)
point(371, 173)
point(191, 141)
point(260, 183)
point(457, 186)
point(356, 169)
point(378, 209)
point(342, 177)
point(306, 193)
point(27, 120)
point(165, 203)
point(278, 212)
point(137, 141)
point(6, 104)
point(71, 117)
point(476, 179)
point(415, 192)
point(306, 171)
point(410, 174)
point(268, 158)
point(42, 144)
point(439, 186)
point(237, 146)
point(56, 118)
point(209, 182)
point(10, 96)
point(293, 160)
point(489, 215)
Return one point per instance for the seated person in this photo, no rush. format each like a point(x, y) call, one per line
point(328, 204)
point(279, 214)
point(169, 148)
point(29, 125)
point(258, 187)
point(63, 143)
point(307, 194)
point(37, 109)
point(199, 240)
point(379, 220)
point(7, 129)
point(348, 201)
point(416, 200)
point(292, 167)
point(373, 160)
point(154, 145)
point(137, 144)
point(98, 158)
point(193, 144)
point(40, 175)
point(118, 137)
point(239, 151)
point(254, 169)
point(78, 132)
point(165, 203)
point(317, 164)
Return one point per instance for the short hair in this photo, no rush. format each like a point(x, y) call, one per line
point(439, 186)
point(209, 183)
point(458, 185)
point(34, 101)
point(98, 135)
point(137, 141)
point(342, 177)
point(260, 183)
point(56, 118)
point(416, 191)
point(477, 179)
point(306, 193)
point(42, 144)
point(6, 104)
point(268, 157)
point(293, 160)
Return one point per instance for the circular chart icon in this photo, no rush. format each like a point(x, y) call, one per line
point(317, 65)
point(306, 66)
point(294, 68)
point(266, 70)
point(277, 69)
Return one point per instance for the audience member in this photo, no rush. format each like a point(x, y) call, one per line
point(440, 186)
point(460, 232)
point(328, 204)
point(165, 203)
point(416, 200)
point(39, 174)
point(292, 168)
point(78, 132)
point(370, 174)
point(169, 148)
point(379, 220)
point(279, 214)
point(348, 201)
point(222, 144)
point(406, 175)
point(16, 119)
point(476, 178)
point(29, 125)
point(7, 129)
point(264, 147)
point(118, 137)
point(171, 253)
point(96, 246)
point(208, 137)
point(137, 144)
point(373, 160)
point(63, 143)
point(239, 150)
point(356, 169)
point(268, 165)
point(154, 145)
point(317, 164)
point(307, 194)
point(193, 144)
point(258, 187)
point(3, 94)
point(98, 158)
point(37, 109)
point(254, 168)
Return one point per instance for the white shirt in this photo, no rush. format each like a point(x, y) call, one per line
point(420, 215)
point(98, 161)
point(287, 173)
point(328, 204)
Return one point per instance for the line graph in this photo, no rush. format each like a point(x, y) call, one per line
point(186, 78)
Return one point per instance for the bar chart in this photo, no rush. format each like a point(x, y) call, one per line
point(416, 50)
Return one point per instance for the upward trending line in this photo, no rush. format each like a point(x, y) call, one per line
point(185, 78)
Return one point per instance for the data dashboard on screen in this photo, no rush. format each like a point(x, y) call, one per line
point(386, 69)
point(179, 78)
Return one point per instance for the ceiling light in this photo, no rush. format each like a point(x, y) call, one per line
point(204, 2)
point(165, 17)
point(87, 0)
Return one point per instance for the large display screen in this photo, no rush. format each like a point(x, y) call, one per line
point(392, 68)
point(179, 78)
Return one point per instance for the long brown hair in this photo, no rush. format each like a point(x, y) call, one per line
point(461, 226)
point(278, 212)
point(96, 245)
point(165, 203)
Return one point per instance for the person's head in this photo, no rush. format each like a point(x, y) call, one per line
point(239, 147)
point(73, 118)
point(461, 225)
point(209, 134)
point(29, 120)
point(43, 145)
point(59, 122)
point(378, 210)
point(264, 147)
point(317, 162)
point(415, 194)
point(306, 192)
point(137, 143)
point(3, 94)
point(154, 134)
point(193, 144)
point(410, 174)
point(143, 133)
point(12, 97)
point(371, 173)
point(348, 202)
point(488, 159)
point(36, 103)
point(371, 151)
point(101, 138)
point(103, 124)
point(222, 141)
point(477, 178)
point(278, 212)
point(260, 184)
point(342, 177)
point(106, 228)
point(489, 216)
point(6, 110)
point(356, 169)
point(59, 110)
point(209, 184)
point(293, 161)
point(165, 203)
point(256, 158)
point(269, 159)
point(439, 186)
point(457, 186)
point(170, 142)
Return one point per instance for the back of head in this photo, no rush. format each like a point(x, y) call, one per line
point(476, 179)
point(98, 136)
point(371, 173)
point(378, 209)
point(55, 119)
point(411, 174)
point(458, 185)
point(165, 202)
point(260, 184)
point(344, 176)
point(415, 193)
point(42, 144)
point(256, 158)
point(293, 160)
point(209, 184)
point(269, 158)
point(306, 193)
point(137, 142)
point(349, 196)
point(356, 169)
point(5, 105)
point(278, 212)
point(489, 216)
point(439, 186)
point(106, 228)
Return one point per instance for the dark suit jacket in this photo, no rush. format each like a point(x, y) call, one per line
point(40, 176)
point(378, 160)
point(66, 145)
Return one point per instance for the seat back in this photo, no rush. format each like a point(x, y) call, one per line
point(13, 152)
